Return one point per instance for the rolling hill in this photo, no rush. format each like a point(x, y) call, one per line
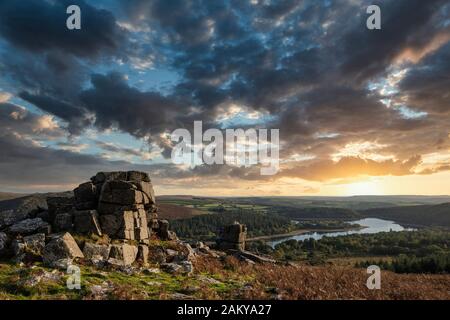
point(422, 215)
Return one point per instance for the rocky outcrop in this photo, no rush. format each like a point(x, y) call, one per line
point(124, 191)
point(115, 220)
point(119, 204)
point(232, 237)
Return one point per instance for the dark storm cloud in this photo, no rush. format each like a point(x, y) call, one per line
point(253, 66)
point(42, 56)
point(75, 117)
point(404, 24)
point(116, 104)
point(427, 84)
point(52, 74)
point(38, 26)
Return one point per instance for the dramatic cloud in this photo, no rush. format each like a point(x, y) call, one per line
point(349, 102)
point(17, 120)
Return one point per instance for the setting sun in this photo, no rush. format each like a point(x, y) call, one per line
point(371, 187)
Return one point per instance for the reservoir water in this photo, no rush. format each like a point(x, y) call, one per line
point(372, 225)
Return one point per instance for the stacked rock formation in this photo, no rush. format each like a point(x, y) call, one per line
point(232, 237)
point(119, 204)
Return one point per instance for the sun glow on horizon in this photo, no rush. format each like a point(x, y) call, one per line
point(367, 188)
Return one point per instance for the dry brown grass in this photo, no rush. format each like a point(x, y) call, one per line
point(330, 282)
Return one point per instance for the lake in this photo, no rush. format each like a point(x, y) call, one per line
point(372, 225)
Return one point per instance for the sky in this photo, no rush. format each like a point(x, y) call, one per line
point(358, 111)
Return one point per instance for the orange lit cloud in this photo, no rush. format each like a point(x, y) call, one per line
point(414, 55)
point(349, 167)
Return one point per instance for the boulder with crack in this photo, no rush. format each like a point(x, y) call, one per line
point(98, 254)
point(61, 251)
point(122, 254)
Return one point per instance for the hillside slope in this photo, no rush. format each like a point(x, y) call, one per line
point(10, 195)
point(173, 212)
point(426, 215)
point(29, 202)
point(215, 279)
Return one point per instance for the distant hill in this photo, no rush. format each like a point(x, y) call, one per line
point(10, 195)
point(29, 202)
point(423, 215)
point(353, 203)
point(173, 212)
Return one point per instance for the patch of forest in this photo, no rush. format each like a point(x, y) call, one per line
point(206, 226)
point(423, 245)
point(317, 213)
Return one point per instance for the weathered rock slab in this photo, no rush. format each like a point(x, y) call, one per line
point(123, 254)
point(30, 226)
point(99, 252)
point(10, 217)
point(62, 249)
